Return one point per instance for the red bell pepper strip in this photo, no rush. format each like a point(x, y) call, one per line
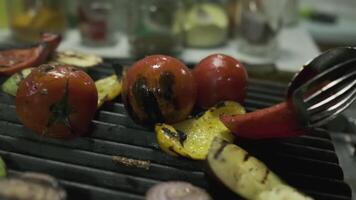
point(14, 60)
point(273, 122)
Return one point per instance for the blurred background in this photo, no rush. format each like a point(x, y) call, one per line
point(273, 38)
point(282, 33)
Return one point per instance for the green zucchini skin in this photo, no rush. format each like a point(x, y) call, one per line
point(12, 83)
point(2, 168)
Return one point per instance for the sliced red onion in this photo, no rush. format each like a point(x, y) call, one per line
point(176, 190)
point(34, 186)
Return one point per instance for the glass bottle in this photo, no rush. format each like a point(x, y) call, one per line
point(260, 23)
point(155, 27)
point(29, 18)
point(96, 21)
point(206, 23)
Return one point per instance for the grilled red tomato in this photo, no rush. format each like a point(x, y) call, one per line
point(14, 60)
point(158, 88)
point(57, 101)
point(220, 77)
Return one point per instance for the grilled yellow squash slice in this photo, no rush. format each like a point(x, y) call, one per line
point(192, 138)
point(108, 88)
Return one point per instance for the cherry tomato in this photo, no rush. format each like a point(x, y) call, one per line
point(158, 88)
point(220, 77)
point(57, 101)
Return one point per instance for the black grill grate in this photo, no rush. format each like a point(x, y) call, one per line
point(86, 168)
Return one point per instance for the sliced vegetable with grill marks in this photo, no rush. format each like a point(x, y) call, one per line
point(77, 59)
point(108, 88)
point(246, 175)
point(192, 137)
point(15, 60)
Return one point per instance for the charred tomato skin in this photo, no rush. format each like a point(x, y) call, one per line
point(57, 101)
point(158, 88)
point(220, 77)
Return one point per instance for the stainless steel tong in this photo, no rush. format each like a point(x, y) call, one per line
point(325, 87)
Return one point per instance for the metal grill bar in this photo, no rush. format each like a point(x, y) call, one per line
point(86, 168)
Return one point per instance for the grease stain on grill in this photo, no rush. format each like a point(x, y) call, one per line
point(131, 162)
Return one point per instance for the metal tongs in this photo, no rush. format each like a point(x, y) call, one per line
point(324, 87)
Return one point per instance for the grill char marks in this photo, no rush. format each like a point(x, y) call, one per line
point(147, 100)
point(166, 82)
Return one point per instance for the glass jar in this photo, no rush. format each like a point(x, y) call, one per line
point(261, 21)
point(155, 27)
point(29, 18)
point(206, 23)
point(96, 21)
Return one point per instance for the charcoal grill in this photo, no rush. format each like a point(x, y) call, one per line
point(86, 168)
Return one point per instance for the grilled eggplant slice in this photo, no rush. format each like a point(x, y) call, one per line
point(2, 168)
point(108, 88)
point(192, 138)
point(77, 59)
point(31, 186)
point(12, 83)
point(246, 175)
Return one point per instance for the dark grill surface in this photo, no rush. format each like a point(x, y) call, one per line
point(86, 169)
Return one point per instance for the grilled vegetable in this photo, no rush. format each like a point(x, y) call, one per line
point(14, 60)
point(176, 190)
point(2, 168)
point(12, 83)
point(192, 137)
point(158, 88)
point(273, 122)
point(57, 101)
point(108, 88)
point(31, 186)
point(247, 176)
point(219, 78)
point(76, 59)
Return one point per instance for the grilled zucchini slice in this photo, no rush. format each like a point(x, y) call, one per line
point(246, 175)
point(12, 83)
point(77, 59)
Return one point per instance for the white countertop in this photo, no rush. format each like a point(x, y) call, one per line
point(296, 47)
